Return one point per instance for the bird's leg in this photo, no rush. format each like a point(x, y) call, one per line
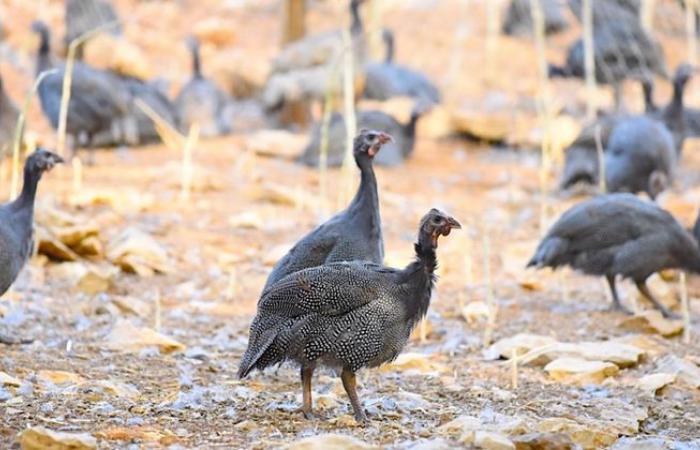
point(91, 151)
point(306, 374)
point(617, 305)
point(617, 96)
point(644, 289)
point(350, 385)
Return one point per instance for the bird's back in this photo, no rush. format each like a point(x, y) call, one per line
point(15, 245)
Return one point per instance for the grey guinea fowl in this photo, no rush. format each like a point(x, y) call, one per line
point(355, 233)
point(673, 115)
point(8, 121)
point(518, 18)
point(98, 101)
point(619, 234)
point(346, 315)
point(640, 157)
point(201, 101)
point(17, 217)
point(392, 154)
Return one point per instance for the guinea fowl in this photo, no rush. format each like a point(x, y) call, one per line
point(581, 157)
point(388, 79)
point(306, 69)
point(673, 115)
point(346, 315)
point(84, 16)
point(619, 234)
point(144, 131)
point(355, 233)
point(518, 19)
point(98, 101)
point(17, 218)
point(8, 120)
point(640, 157)
point(201, 101)
point(622, 49)
point(392, 154)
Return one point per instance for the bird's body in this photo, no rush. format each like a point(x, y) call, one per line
point(581, 163)
point(201, 101)
point(9, 113)
point(640, 156)
point(518, 18)
point(84, 16)
point(17, 217)
point(352, 234)
point(345, 315)
point(618, 234)
point(98, 100)
point(387, 79)
point(392, 154)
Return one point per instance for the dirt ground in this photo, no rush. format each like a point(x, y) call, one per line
point(75, 377)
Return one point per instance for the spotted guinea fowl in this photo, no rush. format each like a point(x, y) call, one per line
point(387, 79)
point(622, 49)
point(355, 233)
point(518, 18)
point(17, 218)
point(640, 157)
point(392, 154)
point(619, 234)
point(201, 101)
point(98, 100)
point(346, 315)
point(8, 121)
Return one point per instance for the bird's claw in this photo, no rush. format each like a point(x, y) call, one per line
point(306, 412)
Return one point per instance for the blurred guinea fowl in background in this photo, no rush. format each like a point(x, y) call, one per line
point(145, 130)
point(346, 315)
point(640, 157)
point(622, 48)
point(353, 234)
point(388, 79)
point(8, 121)
point(518, 17)
point(581, 163)
point(392, 154)
point(680, 120)
point(84, 16)
point(619, 234)
point(302, 69)
point(201, 101)
point(98, 101)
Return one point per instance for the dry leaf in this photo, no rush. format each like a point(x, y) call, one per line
point(129, 338)
point(137, 252)
point(579, 370)
point(40, 438)
point(330, 441)
point(654, 382)
point(9, 380)
point(247, 219)
point(652, 321)
point(684, 370)
point(417, 362)
point(590, 437)
point(59, 377)
point(132, 305)
point(492, 441)
point(276, 143)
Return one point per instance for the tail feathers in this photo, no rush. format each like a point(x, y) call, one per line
point(254, 353)
point(547, 252)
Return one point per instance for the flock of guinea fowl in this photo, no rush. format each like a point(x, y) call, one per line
point(331, 302)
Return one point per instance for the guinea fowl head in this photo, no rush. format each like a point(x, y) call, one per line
point(369, 142)
point(683, 74)
point(435, 224)
point(42, 161)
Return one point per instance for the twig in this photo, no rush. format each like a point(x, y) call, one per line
point(589, 58)
point(172, 138)
point(19, 130)
point(349, 107)
point(601, 159)
point(646, 15)
point(691, 7)
point(187, 170)
point(323, 145)
point(490, 302)
point(685, 308)
point(68, 80)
